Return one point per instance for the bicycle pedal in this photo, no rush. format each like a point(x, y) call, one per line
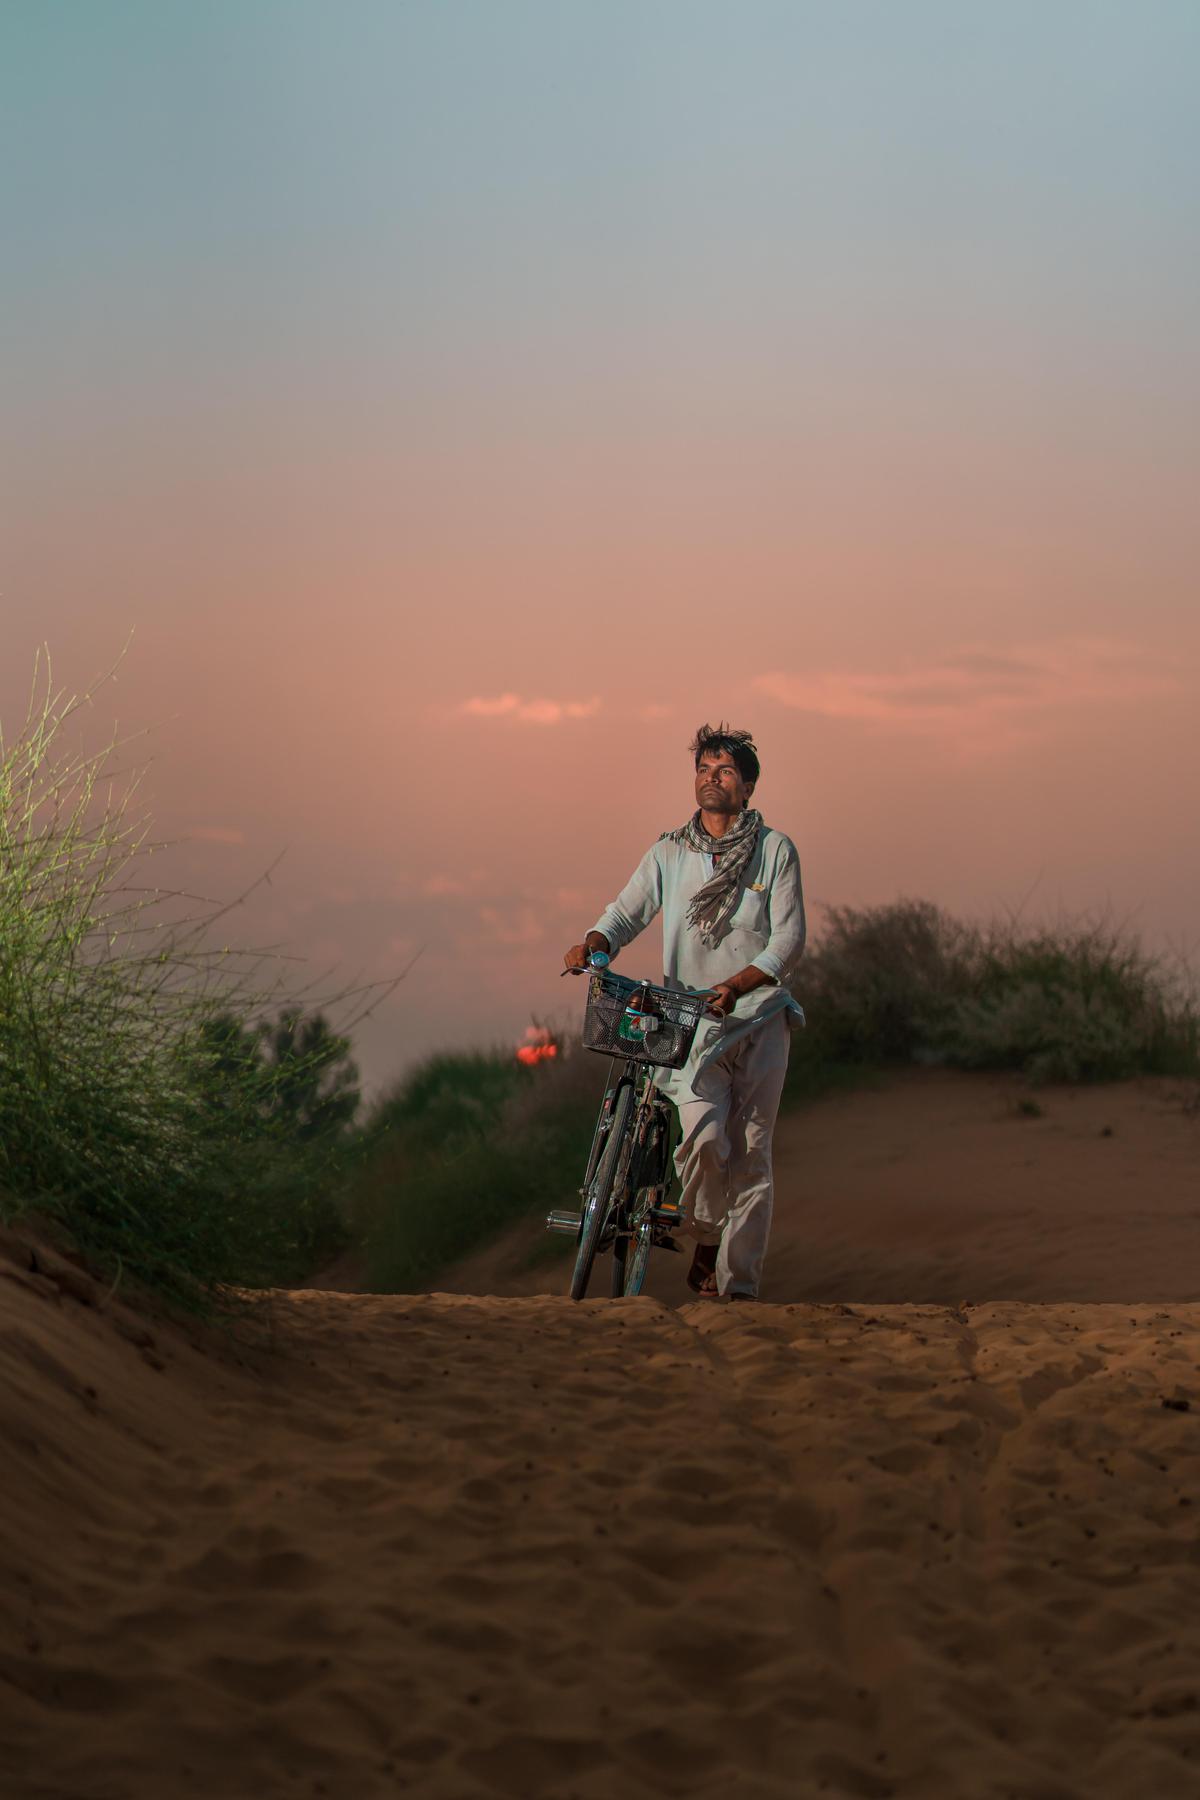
point(566, 1222)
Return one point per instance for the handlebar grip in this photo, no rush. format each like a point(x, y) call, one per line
point(597, 959)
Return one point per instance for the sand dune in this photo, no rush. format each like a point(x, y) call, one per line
point(448, 1546)
point(937, 1187)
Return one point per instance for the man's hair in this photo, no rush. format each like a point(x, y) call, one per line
point(737, 744)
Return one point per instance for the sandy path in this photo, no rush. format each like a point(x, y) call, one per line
point(456, 1547)
point(934, 1187)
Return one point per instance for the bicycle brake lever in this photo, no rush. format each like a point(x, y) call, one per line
point(597, 960)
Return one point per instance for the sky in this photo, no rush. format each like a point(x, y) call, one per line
point(440, 409)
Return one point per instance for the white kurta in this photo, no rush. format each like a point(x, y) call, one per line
point(766, 930)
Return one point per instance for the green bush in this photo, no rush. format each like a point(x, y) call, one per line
point(449, 1101)
point(118, 1120)
point(294, 1075)
point(467, 1145)
point(1080, 1001)
point(876, 987)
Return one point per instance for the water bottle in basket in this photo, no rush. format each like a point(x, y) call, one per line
point(641, 1016)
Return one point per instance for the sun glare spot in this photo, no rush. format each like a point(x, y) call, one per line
point(538, 1046)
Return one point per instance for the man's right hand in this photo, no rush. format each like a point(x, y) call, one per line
point(577, 956)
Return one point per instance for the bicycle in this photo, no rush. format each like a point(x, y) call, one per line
point(627, 1208)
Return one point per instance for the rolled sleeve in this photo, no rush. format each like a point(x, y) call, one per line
point(788, 928)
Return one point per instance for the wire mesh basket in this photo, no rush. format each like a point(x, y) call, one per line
point(658, 1030)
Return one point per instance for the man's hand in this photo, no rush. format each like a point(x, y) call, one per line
point(577, 956)
point(726, 994)
point(722, 1000)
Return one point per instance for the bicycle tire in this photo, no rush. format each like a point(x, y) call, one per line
point(652, 1182)
point(599, 1195)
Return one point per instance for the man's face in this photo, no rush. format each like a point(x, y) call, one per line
point(719, 787)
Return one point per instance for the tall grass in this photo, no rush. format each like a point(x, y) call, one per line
point(118, 1120)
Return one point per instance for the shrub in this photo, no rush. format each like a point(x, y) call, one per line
point(468, 1144)
point(295, 1073)
point(116, 1120)
point(448, 1101)
point(1077, 1002)
point(878, 981)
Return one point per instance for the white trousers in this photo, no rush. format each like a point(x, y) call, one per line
point(724, 1154)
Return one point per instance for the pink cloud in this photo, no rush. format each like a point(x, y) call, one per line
point(492, 709)
point(977, 692)
point(529, 712)
point(436, 885)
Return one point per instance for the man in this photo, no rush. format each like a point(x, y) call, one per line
point(729, 891)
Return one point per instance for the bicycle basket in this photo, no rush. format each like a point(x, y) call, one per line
point(667, 1040)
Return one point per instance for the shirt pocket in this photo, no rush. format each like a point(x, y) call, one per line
point(752, 912)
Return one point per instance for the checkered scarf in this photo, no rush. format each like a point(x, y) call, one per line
point(710, 907)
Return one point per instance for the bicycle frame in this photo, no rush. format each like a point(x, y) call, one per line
point(624, 1192)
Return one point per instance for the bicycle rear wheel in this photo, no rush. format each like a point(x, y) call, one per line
point(652, 1184)
point(599, 1195)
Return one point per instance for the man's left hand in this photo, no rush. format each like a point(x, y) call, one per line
point(722, 999)
point(726, 994)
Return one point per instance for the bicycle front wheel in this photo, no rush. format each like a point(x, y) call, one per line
point(600, 1194)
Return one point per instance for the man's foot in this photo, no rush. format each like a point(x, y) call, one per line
point(701, 1277)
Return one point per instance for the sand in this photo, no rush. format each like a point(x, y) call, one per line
point(506, 1546)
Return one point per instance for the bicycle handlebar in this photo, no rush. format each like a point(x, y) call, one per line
point(597, 959)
